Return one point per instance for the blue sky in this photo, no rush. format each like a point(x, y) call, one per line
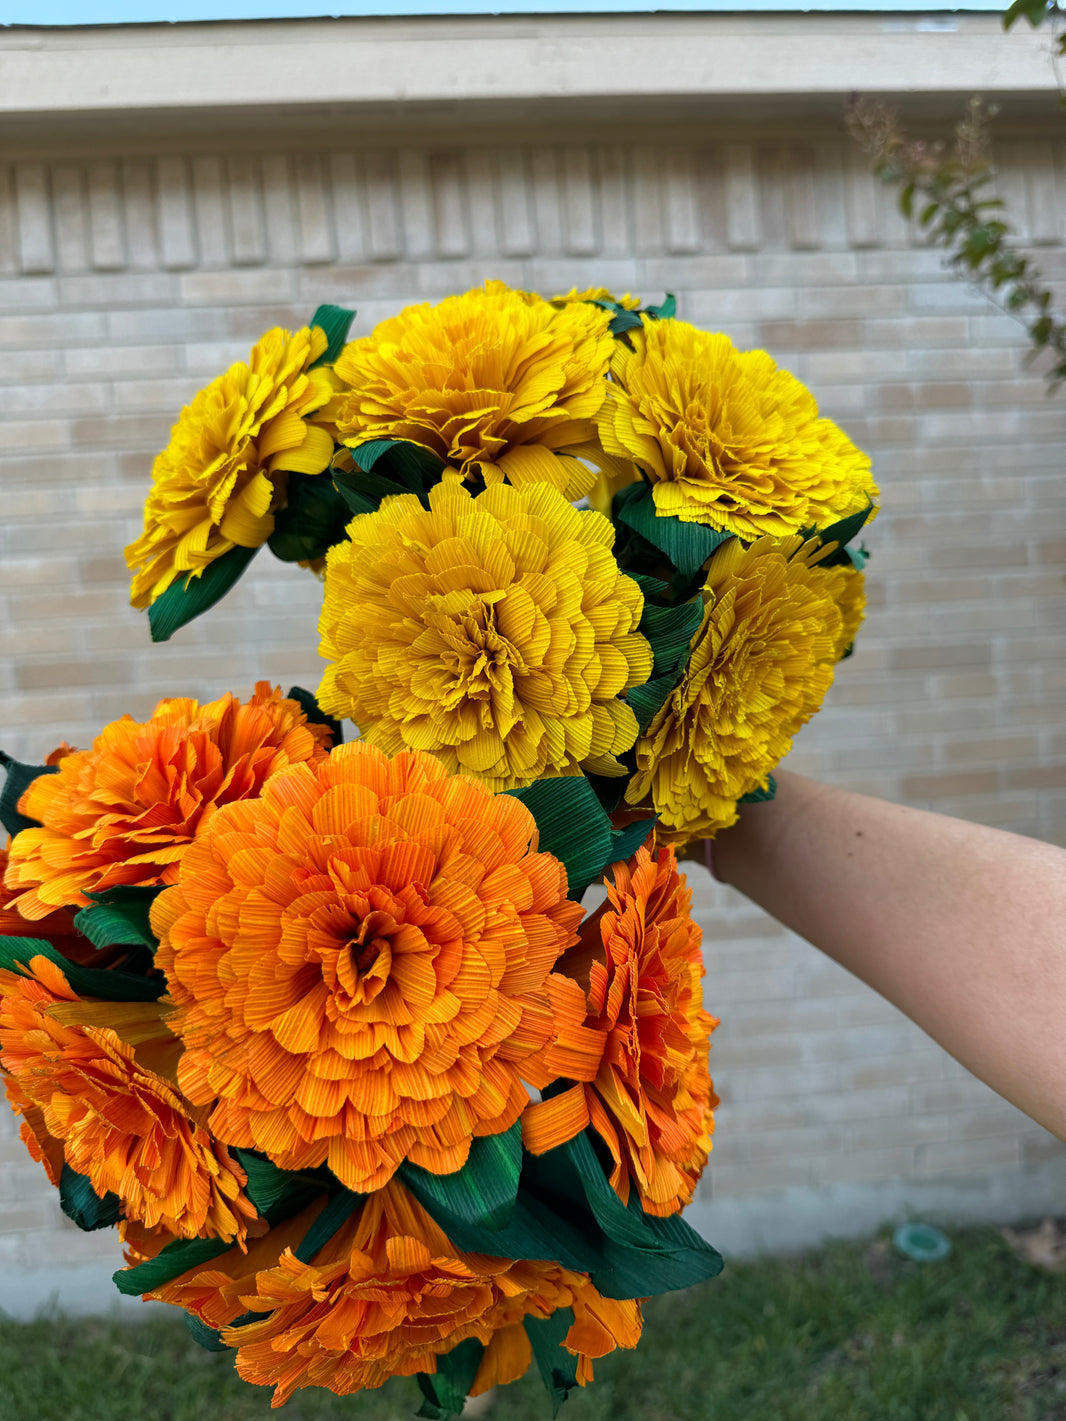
point(114, 12)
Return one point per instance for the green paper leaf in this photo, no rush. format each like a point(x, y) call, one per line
point(648, 700)
point(119, 916)
point(665, 311)
point(446, 1389)
point(670, 629)
point(189, 596)
point(625, 321)
point(18, 779)
point(209, 1338)
point(687, 545)
point(760, 795)
point(628, 840)
point(573, 826)
point(535, 1229)
point(278, 1194)
point(429, 1410)
point(83, 1206)
point(640, 1256)
point(364, 490)
point(334, 1216)
point(169, 1263)
point(842, 533)
point(313, 521)
point(412, 465)
point(336, 322)
point(15, 954)
point(483, 1192)
point(315, 714)
point(557, 1366)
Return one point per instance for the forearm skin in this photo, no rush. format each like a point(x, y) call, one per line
point(960, 926)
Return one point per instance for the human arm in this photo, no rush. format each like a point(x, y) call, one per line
point(960, 926)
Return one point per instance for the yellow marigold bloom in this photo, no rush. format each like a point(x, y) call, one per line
point(598, 293)
point(496, 632)
point(361, 963)
point(497, 383)
point(126, 810)
point(98, 1077)
point(727, 438)
point(386, 1296)
point(851, 599)
point(758, 669)
point(651, 1103)
point(219, 481)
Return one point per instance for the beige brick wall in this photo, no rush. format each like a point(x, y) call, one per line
point(126, 281)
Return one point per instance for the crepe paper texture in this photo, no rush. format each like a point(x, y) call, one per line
point(390, 1057)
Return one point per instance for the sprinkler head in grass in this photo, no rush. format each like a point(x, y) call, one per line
point(921, 1242)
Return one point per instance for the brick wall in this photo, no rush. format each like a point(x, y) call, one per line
point(128, 281)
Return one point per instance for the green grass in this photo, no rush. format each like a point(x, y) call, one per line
point(852, 1333)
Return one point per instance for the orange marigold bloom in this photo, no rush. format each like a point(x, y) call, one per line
point(386, 1296)
point(96, 1076)
point(652, 1099)
point(361, 963)
point(127, 810)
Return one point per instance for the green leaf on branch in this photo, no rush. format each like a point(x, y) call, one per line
point(119, 917)
point(16, 953)
point(335, 321)
point(83, 1206)
point(482, 1193)
point(687, 545)
point(187, 598)
point(18, 778)
point(313, 521)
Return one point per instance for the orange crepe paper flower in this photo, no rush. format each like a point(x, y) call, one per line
point(361, 963)
point(652, 1100)
point(57, 928)
point(126, 810)
point(97, 1076)
point(386, 1296)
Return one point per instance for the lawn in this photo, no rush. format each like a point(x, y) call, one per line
point(851, 1333)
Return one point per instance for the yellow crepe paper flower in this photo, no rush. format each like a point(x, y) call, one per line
point(727, 438)
point(496, 632)
point(759, 666)
point(219, 481)
point(498, 383)
point(598, 293)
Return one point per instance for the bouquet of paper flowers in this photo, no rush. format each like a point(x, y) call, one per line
point(322, 1026)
